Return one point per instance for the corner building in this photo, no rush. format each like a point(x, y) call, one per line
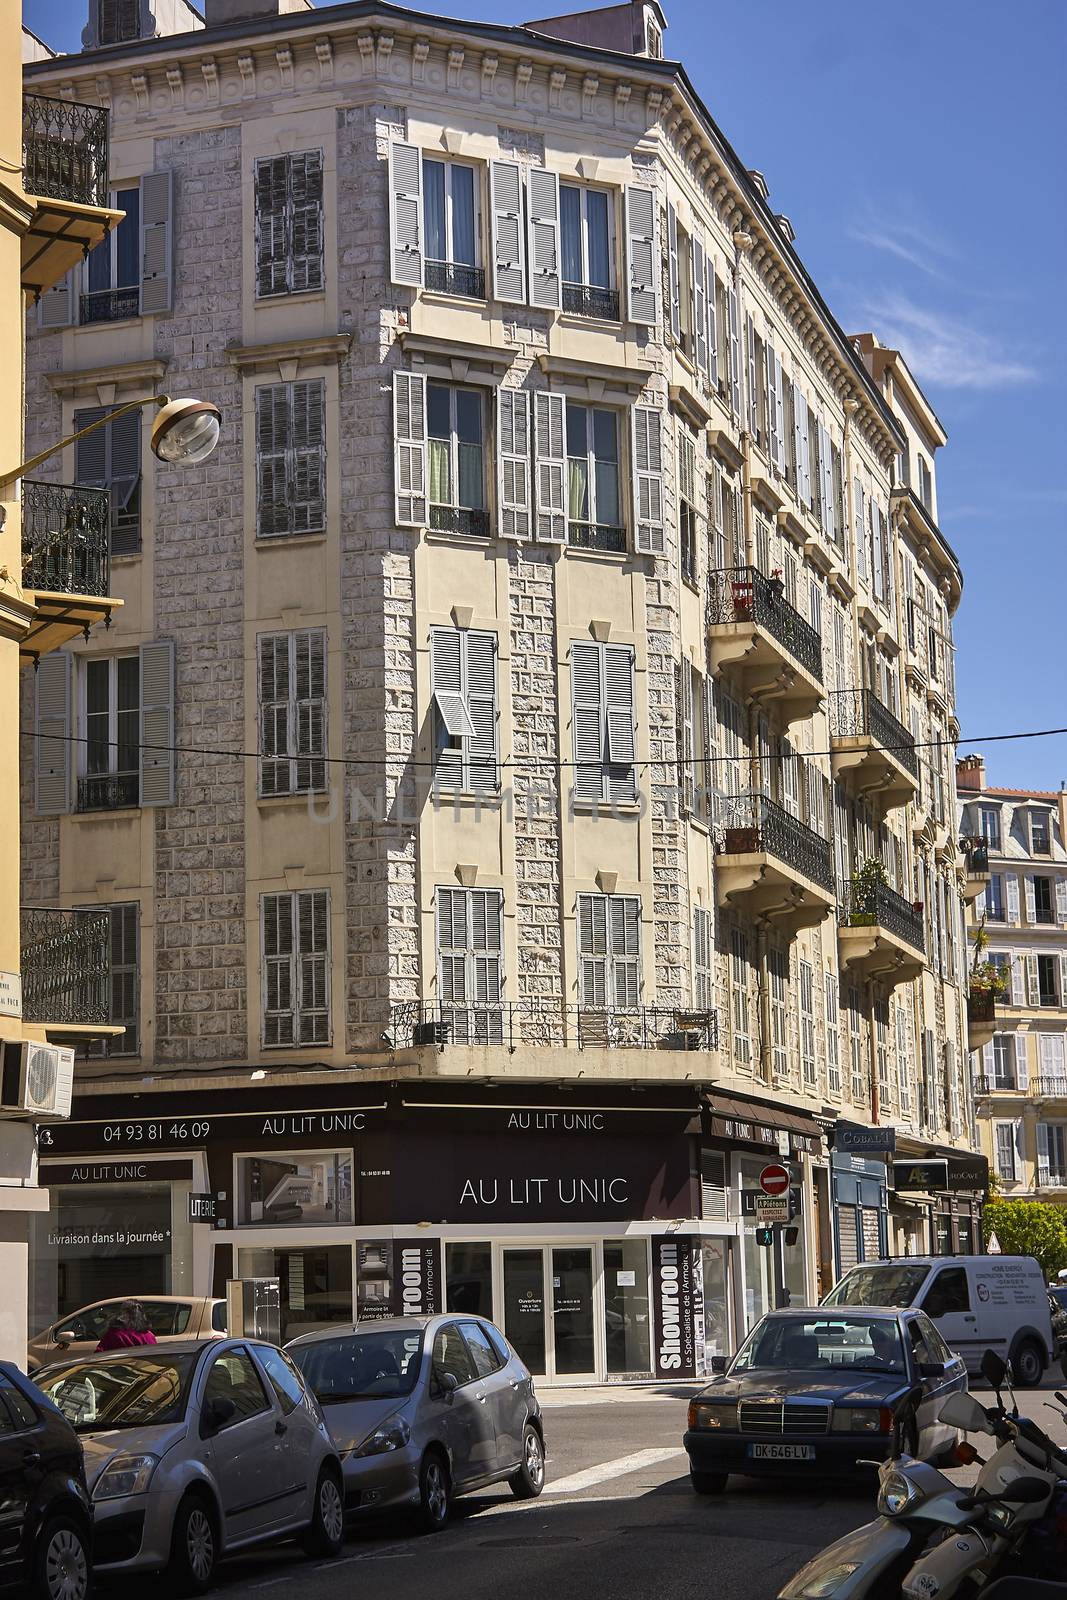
point(578, 583)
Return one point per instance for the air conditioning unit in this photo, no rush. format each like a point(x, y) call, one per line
point(37, 1080)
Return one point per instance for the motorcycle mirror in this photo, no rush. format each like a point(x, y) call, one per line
point(1026, 1491)
point(993, 1370)
point(1061, 1397)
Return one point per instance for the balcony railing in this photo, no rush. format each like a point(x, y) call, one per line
point(743, 594)
point(596, 536)
point(855, 713)
point(588, 301)
point(460, 519)
point(449, 277)
point(1003, 1084)
point(65, 150)
point(753, 823)
point(975, 856)
point(982, 1005)
point(869, 905)
point(66, 540)
point(1054, 1087)
point(109, 791)
point(109, 305)
point(66, 965)
point(548, 1024)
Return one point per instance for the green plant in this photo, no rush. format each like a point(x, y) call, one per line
point(865, 883)
point(1029, 1228)
point(988, 978)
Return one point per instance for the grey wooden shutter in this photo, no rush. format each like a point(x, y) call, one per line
point(157, 242)
point(304, 216)
point(773, 435)
point(619, 717)
point(551, 466)
point(480, 686)
point(307, 471)
point(451, 719)
point(714, 331)
point(509, 256)
point(123, 437)
point(642, 293)
point(543, 194)
point(273, 441)
point(804, 468)
point(409, 446)
point(624, 929)
point(52, 725)
point(309, 709)
point(826, 493)
point(485, 909)
point(648, 479)
point(405, 214)
point(779, 413)
point(271, 194)
point(274, 711)
point(513, 462)
point(877, 564)
point(157, 723)
point(672, 269)
point(700, 302)
point(91, 453)
point(588, 720)
point(592, 936)
point(55, 307)
point(452, 945)
point(735, 351)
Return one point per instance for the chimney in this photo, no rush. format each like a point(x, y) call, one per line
point(633, 28)
point(219, 12)
point(970, 774)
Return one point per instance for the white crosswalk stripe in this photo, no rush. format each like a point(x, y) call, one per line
point(607, 1470)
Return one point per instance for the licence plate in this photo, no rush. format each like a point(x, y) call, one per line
point(781, 1452)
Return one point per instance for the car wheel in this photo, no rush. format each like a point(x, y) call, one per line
point(527, 1483)
point(708, 1482)
point(61, 1566)
point(194, 1547)
point(435, 1493)
point(326, 1530)
point(1027, 1365)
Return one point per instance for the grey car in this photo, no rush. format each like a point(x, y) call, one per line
point(425, 1408)
point(195, 1450)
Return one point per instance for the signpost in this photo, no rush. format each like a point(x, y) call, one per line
point(774, 1180)
point(771, 1209)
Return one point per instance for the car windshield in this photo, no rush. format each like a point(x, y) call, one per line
point(371, 1364)
point(839, 1344)
point(895, 1285)
point(1059, 1295)
point(133, 1392)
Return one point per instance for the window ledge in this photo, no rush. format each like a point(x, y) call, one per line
point(108, 322)
point(285, 295)
point(475, 541)
point(438, 297)
point(466, 798)
point(692, 583)
point(628, 808)
point(700, 824)
point(299, 1050)
point(266, 541)
point(127, 555)
point(301, 798)
point(617, 558)
point(132, 812)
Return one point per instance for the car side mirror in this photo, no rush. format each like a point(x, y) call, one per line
point(217, 1413)
point(719, 1365)
point(63, 1337)
point(445, 1384)
point(931, 1369)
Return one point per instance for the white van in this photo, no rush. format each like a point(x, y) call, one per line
point(978, 1303)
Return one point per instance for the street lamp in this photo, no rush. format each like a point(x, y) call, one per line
point(184, 433)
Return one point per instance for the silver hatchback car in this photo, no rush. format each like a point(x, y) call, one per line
point(196, 1450)
point(424, 1408)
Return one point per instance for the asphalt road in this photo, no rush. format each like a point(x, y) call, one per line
point(618, 1518)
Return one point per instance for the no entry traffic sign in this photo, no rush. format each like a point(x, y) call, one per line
point(774, 1180)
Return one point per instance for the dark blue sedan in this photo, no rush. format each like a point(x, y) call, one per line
point(810, 1393)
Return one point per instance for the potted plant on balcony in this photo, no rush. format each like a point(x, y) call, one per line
point(863, 893)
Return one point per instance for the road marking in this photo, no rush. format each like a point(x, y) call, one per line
point(612, 1469)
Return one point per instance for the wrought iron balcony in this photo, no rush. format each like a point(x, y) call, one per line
point(772, 865)
point(880, 934)
point(66, 966)
point(109, 791)
point(981, 1015)
point(874, 755)
point(586, 300)
point(976, 857)
point(596, 536)
point(877, 905)
point(762, 641)
point(66, 541)
point(1001, 1084)
point(548, 1024)
point(1051, 1088)
point(449, 277)
point(109, 305)
point(65, 150)
point(460, 519)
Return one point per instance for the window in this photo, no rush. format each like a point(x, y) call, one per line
point(989, 825)
point(296, 968)
point(1004, 1143)
point(1050, 1055)
point(234, 1378)
point(16, 1412)
point(994, 898)
point(1044, 910)
point(856, 1050)
point(463, 681)
point(119, 21)
point(470, 976)
point(593, 504)
point(284, 1379)
point(110, 458)
point(703, 973)
point(128, 274)
point(807, 1025)
point(602, 679)
point(486, 1361)
point(451, 1357)
point(1048, 980)
point(778, 972)
point(904, 1066)
point(926, 484)
point(687, 510)
point(290, 458)
point(587, 229)
point(110, 746)
point(124, 984)
point(609, 950)
point(1052, 1154)
point(833, 1040)
point(111, 274)
point(292, 712)
point(948, 1293)
point(739, 1004)
point(455, 425)
point(288, 199)
point(1003, 1077)
point(453, 228)
point(1040, 835)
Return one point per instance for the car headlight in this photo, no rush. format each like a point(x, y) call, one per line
point(827, 1583)
point(125, 1475)
point(392, 1435)
point(720, 1418)
point(862, 1419)
point(896, 1493)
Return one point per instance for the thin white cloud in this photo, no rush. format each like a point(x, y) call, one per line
point(941, 348)
point(893, 227)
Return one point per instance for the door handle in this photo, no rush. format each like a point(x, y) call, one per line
point(281, 1427)
point(481, 1399)
point(31, 1457)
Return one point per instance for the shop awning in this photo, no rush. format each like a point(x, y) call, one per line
point(745, 1121)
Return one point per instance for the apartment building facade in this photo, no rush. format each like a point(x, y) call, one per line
point(559, 818)
point(1015, 842)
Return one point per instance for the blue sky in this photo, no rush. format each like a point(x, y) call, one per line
point(918, 151)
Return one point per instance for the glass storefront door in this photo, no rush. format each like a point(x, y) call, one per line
point(572, 1310)
point(718, 1322)
point(524, 1306)
point(626, 1310)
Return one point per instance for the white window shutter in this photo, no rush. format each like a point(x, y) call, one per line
point(157, 723)
point(826, 487)
point(409, 445)
point(672, 271)
point(769, 359)
point(52, 720)
point(55, 307)
point(1042, 1154)
point(1022, 1069)
point(453, 719)
point(513, 462)
point(157, 242)
point(550, 466)
point(1031, 897)
point(405, 214)
point(804, 458)
point(700, 302)
point(509, 254)
point(860, 521)
point(753, 382)
point(1033, 987)
point(648, 479)
point(779, 414)
point(480, 651)
point(1063, 980)
point(642, 281)
point(1018, 981)
point(543, 194)
point(588, 711)
point(714, 332)
point(1061, 900)
point(1011, 885)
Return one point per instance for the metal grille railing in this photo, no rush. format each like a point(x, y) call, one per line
point(981, 1006)
point(596, 536)
point(65, 150)
point(585, 300)
point(109, 791)
point(66, 538)
point(460, 519)
point(1055, 1087)
point(865, 905)
point(858, 712)
point(109, 305)
point(975, 856)
point(753, 822)
point(552, 1024)
point(66, 965)
point(449, 277)
point(743, 594)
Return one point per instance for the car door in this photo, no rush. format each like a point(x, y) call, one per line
point(16, 1487)
point(169, 1319)
point(246, 1454)
point(461, 1413)
point(87, 1326)
point(946, 1301)
point(940, 1373)
point(493, 1375)
point(301, 1442)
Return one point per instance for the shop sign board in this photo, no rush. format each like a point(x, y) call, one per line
point(72, 1173)
point(204, 1208)
point(920, 1177)
point(771, 1209)
point(10, 994)
point(851, 1139)
point(675, 1304)
point(968, 1174)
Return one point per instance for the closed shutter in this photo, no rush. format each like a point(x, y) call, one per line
point(1033, 988)
point(826, 495)
point(485, 984)
point(551, 466)
point(309, 651)
point(686, 736)
point(123, 439)
point(271, 194)
point(624, 932)
point(735, 351)
point(509, 256)
point(157, 723)
point(773, 436)
point(872, 1233)
point(642, 295)
point(543, 194)
point(592, 932)
point(405, 214)
point(753, 379)
point(307, 472)
point(273, 440)
point(305, 221)
point(713, 291)
point(451, 945)
point(860, 521)
point(848, 1237)
point(648, 479)
point(702, 973)
point(1018, 981)
point(672, 272)
point(1031, 897)
point(1011, 886)
point(274, 713)
point(513, 462)
point(452, 721)
point(409, 445)
point(877, 564)
point(55, 307)
point(1063, 980)
point(480, 687)
point(588, 721)
point(837, 485)
point(800, 441)
point(778, 402)
point(1061, 900)
point(52, 724)
point(700, 302)
point(157, 242)
point(619, 707)
point(91, 453)
point(1042, 1154)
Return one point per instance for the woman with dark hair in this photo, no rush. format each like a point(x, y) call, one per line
point(129, 1327)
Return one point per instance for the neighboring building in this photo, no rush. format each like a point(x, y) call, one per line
point(563, 571)
point(1014, 840)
